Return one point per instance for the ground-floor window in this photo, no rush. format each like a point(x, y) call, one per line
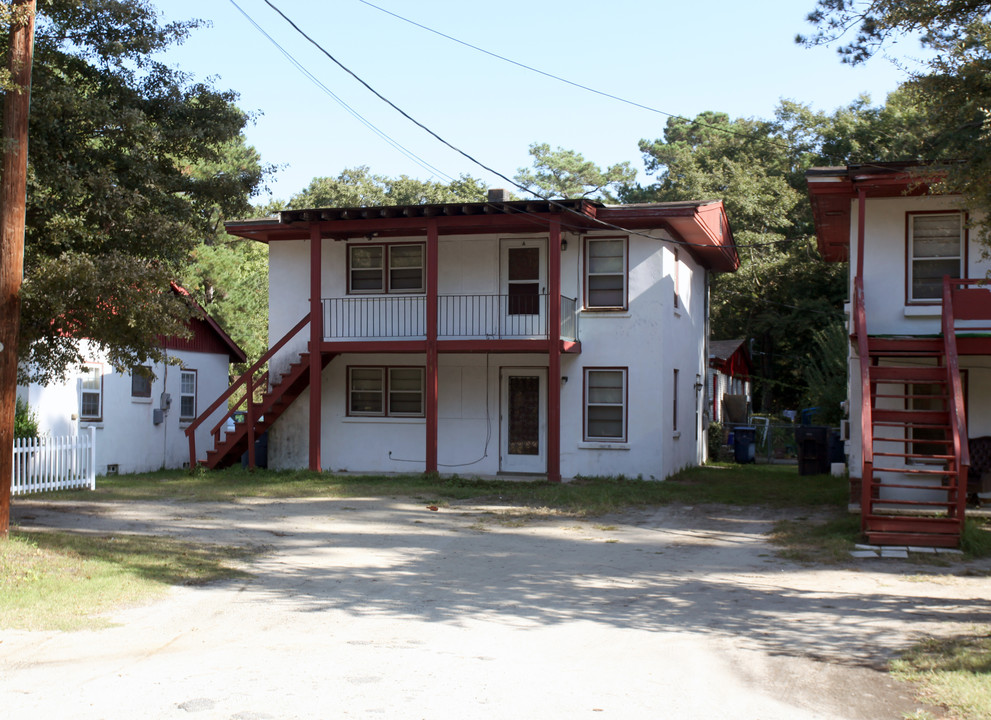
point(91, 392)
point(386, 391)
point(187, 395)
point(605, 404)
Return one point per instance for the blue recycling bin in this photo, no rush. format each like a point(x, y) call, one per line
point(745, 444)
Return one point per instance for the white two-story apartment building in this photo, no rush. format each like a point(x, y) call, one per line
point(920, 357)
point(554, 338)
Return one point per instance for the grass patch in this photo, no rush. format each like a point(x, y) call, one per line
point(63, 581)
point(952, 672)
point(817, 542)
point(976, 538)
point(763, 485)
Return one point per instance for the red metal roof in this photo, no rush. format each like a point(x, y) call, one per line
point(207, 335)
point(702, 226)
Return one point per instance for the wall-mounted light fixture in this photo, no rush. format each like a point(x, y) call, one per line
point(564, 379)
point(698, 382)
point(564, 245)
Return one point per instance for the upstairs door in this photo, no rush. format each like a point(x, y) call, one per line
point(523, 420)
point(523, 301)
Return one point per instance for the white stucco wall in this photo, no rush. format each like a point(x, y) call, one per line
point(127, 436)
point(889, 314)
point(651, 339)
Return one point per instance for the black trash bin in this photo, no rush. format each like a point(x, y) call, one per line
point(813, 449)
point(745, 444)
point(261, 452)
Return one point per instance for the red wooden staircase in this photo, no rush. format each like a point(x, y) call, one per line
point(260, 413)
point(914, 474)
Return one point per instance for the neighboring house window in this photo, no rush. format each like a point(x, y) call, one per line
point(935, 248)
point(605, 404)
point(91, 392)
point(605, 273)
point(674, 402)
point(187, 395)
point(386, 268)
point(382, 391)
point(677, 278)
point(141, 381)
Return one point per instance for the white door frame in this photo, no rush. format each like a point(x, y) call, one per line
point(523, 325)
point(522, 463)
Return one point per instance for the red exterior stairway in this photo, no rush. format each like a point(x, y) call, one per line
point(914, 474)
point(261, 413)
point(230, 446)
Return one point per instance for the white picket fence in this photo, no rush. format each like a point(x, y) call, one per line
point(54, 463)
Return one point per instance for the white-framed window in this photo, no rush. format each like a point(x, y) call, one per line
point(141, 381)
point(91, 392)
point(187, 395)
point(386, 391)
point(605, 404)
point(395, 268)
point(606, 273)
point(936, 245)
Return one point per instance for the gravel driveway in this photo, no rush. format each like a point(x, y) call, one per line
point(384, 609)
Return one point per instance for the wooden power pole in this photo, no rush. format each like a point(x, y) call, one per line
point(13, 199)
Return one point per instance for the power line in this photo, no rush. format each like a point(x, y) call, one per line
point(354, 113)
point(696, 122)
point(463, 153)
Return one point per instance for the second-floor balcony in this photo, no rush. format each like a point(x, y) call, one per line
point(459, 317)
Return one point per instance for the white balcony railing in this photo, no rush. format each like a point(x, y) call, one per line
point(497, 317)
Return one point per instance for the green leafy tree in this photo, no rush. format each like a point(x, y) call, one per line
point(119, 192)
point(952, 84)
point(358, 187)
point(567, 174)
point(784, 293)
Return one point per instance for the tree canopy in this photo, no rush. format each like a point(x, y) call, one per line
point(359, 187)
point(567, 174)
point(951, 85)
point(784, 296)
point(123, 182)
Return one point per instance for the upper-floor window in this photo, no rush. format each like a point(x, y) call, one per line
point(187, 395)
point(386, 268)
point(606, 273)
point(91, 392)
point(936, 247)
point(141, 381)
point(677, 279)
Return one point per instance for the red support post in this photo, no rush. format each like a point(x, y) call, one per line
point(554, 353)
point(431, 379)
point(316, 337)
point(250, 390)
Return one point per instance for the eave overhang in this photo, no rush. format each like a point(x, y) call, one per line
point(701, 226)
point(832, 191)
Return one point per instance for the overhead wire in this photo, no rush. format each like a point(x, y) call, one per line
point(559, 205)
point(611, 96)
point(340, 101)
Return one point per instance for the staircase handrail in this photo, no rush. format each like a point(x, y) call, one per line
point(860, 333)
point(237, 384)
point(958, 419)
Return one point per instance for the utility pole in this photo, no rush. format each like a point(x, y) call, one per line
point(13, 199)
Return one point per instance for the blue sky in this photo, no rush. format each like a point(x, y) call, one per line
point(677, 57)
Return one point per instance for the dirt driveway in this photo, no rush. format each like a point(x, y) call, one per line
point(385, 609)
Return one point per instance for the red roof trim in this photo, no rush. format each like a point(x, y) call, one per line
point(702, 226)
point(222, 342)
point(833, 190)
